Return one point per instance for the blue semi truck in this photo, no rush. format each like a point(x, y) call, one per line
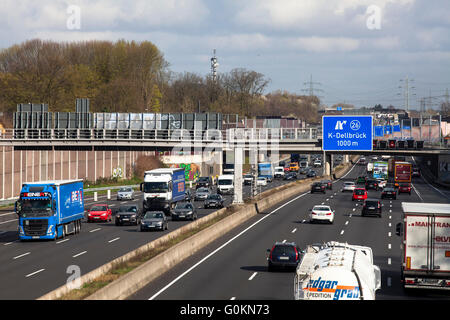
point(50, 209)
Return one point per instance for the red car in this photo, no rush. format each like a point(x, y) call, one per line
point(404, 188)
point(359, 194)
point(99, 212)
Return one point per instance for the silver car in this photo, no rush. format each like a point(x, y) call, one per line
point(126, 193)
point(154, 220)
point(348, 186)
point(201, 194)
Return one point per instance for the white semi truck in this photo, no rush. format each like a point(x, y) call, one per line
point(336, 271)
point(163, 188)
point(426, 245)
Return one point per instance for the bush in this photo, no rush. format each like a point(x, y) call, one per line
point(144, 163)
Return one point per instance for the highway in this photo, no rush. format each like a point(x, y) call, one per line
point(29, 270)
point(234, 267)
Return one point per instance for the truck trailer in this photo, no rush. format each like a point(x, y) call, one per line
point(162, 189)
point(402, 172)
point(426, 245)
point(50, 209)
point(336, 271)
point(266, 170)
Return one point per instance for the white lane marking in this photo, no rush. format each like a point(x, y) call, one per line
point(342, 232)
point(8, 243)
point(62, 241)
point(389, 246)
point(346, 222)
point(115, 239)
point(293, 231)
point(22, 255)
point(223, 246)
point(327, 199)
point(389, 281)
point(390, 224)
point(33, 273)
point(7, 213)
point(233, 298)
point(417, 192)
point(389, 261)
point(284, 241)
point(8, 221)
point(354, 209)
point(95, 230)
point(79, 254)
point(389, 234)
point(252, 276)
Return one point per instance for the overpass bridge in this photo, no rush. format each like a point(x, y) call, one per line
point(39, 154)
point(308, 141)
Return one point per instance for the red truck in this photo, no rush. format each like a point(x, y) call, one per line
point(402, 172)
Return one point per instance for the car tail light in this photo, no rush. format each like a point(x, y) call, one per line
point(329, 214)
point(270, 255)
point(296, 254)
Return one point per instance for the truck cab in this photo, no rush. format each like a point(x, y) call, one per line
point(162, 189)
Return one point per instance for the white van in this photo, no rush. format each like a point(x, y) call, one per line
point(225, 184)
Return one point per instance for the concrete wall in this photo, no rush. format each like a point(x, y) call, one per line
point(35, 165)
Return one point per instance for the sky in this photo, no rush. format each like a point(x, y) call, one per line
point(356, 51)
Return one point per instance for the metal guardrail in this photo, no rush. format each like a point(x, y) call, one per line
point(156, 134)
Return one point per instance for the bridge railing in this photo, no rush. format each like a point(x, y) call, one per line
point(160, 134)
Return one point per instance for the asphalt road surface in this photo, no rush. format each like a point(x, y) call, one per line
point(234, 267)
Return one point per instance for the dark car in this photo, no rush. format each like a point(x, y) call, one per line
point(372, 184)
point(415, 172)
point(311, 174)
point(389, 192)
point(361, 180)
point(304, 170)
point(290, 176)
point(184, 210)
point(283, 255)
point(404, 188)
point(328, 184)
point(204, 182)
point(318, 187)
point(371, 207)
point(188, 195)
point(129, 214)
point(214, 201)
point(153, 220)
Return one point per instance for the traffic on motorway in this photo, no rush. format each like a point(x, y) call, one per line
point(357, 219)
point(90, 233)
point(312, 244)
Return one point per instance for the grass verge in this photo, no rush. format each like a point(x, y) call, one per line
point(125, 267)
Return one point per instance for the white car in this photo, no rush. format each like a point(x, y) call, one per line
point(348, 186)
point(322, 213)
point(261, 181)
point(381, 183)
point(317, 163)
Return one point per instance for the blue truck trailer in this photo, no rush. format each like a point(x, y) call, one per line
point(266, 170)
point(163, 188)
point(50, 209)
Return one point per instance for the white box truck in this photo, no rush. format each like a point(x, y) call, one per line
point(225, 184)
point(336, 271)
point(426, 245)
